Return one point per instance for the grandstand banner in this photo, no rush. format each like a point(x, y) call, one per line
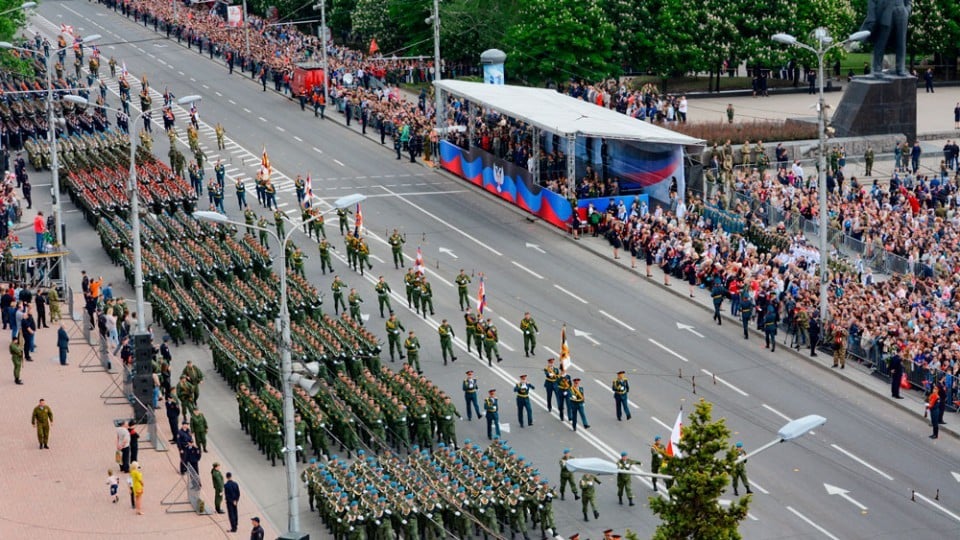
point(507, 181)
point(234, 16)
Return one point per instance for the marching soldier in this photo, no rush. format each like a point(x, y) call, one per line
point(394, 327)
point(462, 281)
point(470, 395)
point(446, 341)
point(263, 224)
point(296, 261)
point(576, 404)
point(491, 339)
point(412, 345)
point(396, 247)
point(383, 296)
point(470, 322)
point(426, 296)
point(588, 483)
point(491, 408)
point(746, 312)
point(550, 376)
point(270, 192)
point(522, 390)
point(278, 223)
point(479, 332)
point(625, 480)
point(300, 187)
point(739, 472)
point(342, 217)
point(324, 247)
point(241, 192)
point(868, 161)
point(310, 477)
point(354, 300)
point(337, 287)
point(657, 453)
point(770, 328)
point(529, 328)
point(410, 281)
point(717, 293)
point(417, 292)
point(317, 227)
point(564, 382)
point(363, 254)
point(621, 388)
point(220, 133)
point(445, 424)
point(566, 476)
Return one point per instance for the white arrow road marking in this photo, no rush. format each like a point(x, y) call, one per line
point(811, 523)
point(570, 294)
point(365, 316)
point(618, 321)
point(527, 270)
point(688, 328)
point(937, 506)
point(725, 383)
point(667, 349)
point(956, 476)
point(862, 462)
point(585, 335)
point(449, 252)
point(535, 247)
point(834, 490)
point(505, 428)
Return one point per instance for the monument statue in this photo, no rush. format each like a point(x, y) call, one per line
point(887, 21)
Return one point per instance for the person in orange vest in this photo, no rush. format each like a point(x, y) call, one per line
point(319, 105)
point(935, 404)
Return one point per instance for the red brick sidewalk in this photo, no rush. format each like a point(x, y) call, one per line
point(62, 492)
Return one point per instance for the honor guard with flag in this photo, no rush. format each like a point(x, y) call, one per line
point(577, 404)
point(383, 295)
point(426, 296)
point(324, 247)
point(301, 188)
point(529, 328)
point(241, 193)
point(624, 479)
point(396, 242)
point(411, 282)
point(563, 393)
point(491, 341)
point(491, 408)
point(394, 327)
point(462, 281)
point(446, 341)
point(522, 390)
point(470, 386)
point(550, 376)
point(621, 389)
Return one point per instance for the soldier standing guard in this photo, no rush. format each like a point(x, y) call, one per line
point(657, 452)
point(446, 341)
point(491, 407)
point(463, 280)
point(396, 247)
point(470, 395)
point(217, 478)
point(300, 187)
point(410, 281)
point(566, 477)
point(868, 161)
point(588, 484)
point(16, 356)
point(621, 389)
point(550, 376)
point(739, 472)
point(522, 390)
point(220, 133)
point(412, 345)
point(262, 231)
point(241, 193)
point(383, 296)
point(624, 479)
point(529, 328)
point(394, 327)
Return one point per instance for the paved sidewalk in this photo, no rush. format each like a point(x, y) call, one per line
point(62, 492)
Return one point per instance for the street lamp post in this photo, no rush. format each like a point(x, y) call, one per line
point(25, 5)
point(135, 207)
point(52, 137)
point(436, 65)
point(323, 46)
point(823, 44)
point(286, 362)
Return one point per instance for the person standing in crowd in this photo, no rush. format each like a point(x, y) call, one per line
point(136, 475)
point(217, 477)
point(16, 356)
point(63, 344)
point(257, 532)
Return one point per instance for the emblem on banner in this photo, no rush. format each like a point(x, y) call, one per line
point(498, 177)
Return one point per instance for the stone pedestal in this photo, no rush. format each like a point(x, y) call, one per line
point(877, 106)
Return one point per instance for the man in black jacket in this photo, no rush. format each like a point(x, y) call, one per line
point(232, 493)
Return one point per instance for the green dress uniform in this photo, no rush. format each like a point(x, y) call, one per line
point(324, 248)
point(41, 418)
point(445, 424)
point(263, 234)
point(198, 425)
point(337, 287)
point(363, 255)
point(470, 322)
point(657, 455)
point(354, 301)
point(217, 477)
point(479, 332)
point(490, 343)
point(249, 218)
point(566, 477)
point(383, 296)
point(296, 261)
point(410, 281)
point(412, 346)
point(426, 297)
point(739, 472)
point(529, 328)
point(446, 341)
point(625, 480)
point(868, 161)
point(396, 248)
point(342, 217)
point(588, 483)
point(394, 327)
point(462, 281)
point(351, 247)
point(16, 355)
point(317, 227)
point(278, 223)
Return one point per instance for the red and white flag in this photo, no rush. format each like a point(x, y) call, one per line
point(418, 263)
point(374, 48)
point(66, 29)
point(481, 296)
point(265, 169)
point(123, 70)
point(308, 200)
point(358, 222)
point(673, 445)
point(564, 349)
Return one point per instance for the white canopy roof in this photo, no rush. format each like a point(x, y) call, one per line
point(561, 114)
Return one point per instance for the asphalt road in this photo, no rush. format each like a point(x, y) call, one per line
point(615, 321)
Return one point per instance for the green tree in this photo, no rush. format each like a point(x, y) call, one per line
point(693, 510)
point(340, 18)
point(558, 39)
point(10, 23)
point(371, 20)
point(469, 27)
point(931, 30)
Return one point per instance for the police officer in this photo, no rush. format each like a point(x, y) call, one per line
point(383, 295)
point(717, 293)
point(529, 328)
point(394, 327)
point(550, 376)
point(446, 341)
point(624, 479)
point(657, 452)
point(566, 476)
point(396, 242)
point(746, 312)
point(522, 390)
point(621, 389)
point(739, 472)
point(814, 333)
point(462, 281)
point(491, 408)
point(412, 345)
point(588, 483)
point(470, 395)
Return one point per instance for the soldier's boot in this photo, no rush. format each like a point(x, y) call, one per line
point(576, 496)
point(585, 518)
point(748, 490)
point(621, 498)
point(596, 515)
point(562, 497)
point(735, 492)
point(631, 501)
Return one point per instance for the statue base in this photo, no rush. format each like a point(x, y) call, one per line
point(885, 105)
